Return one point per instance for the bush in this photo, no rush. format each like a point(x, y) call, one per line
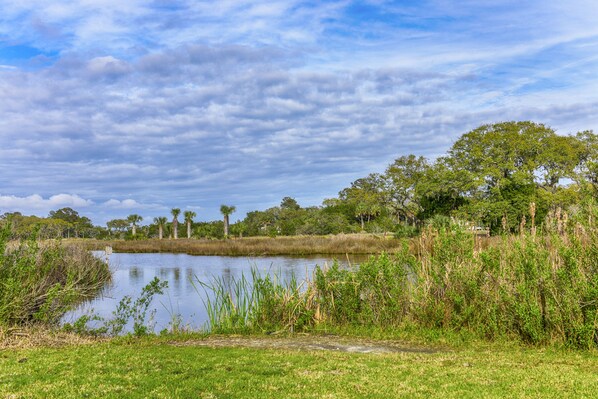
point(539, 288)
point(405, 231)
point(39, 283)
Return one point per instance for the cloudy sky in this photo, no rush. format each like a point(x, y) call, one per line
point(115, 107)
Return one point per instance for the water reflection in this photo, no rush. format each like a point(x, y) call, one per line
point(135, 275)
point(131, 272)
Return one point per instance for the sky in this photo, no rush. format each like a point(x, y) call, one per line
point(115, 107)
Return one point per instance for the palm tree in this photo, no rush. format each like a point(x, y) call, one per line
point(161, 222)
point(226, 211)
point(175, 223)
point(189, 215)
point(134, 219)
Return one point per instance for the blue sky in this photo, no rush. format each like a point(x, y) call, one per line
point(119, 107)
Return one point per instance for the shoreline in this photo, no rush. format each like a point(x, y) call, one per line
point(254, 246)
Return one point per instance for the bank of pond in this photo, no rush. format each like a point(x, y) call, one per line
point(539, 288)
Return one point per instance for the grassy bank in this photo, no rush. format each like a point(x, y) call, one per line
point(538, 288)
point(174, 367)
point(257, 246)
point(40, 282)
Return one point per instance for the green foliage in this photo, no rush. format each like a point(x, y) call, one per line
point(127, 311)
point(213, 229)
point(539, 288)
point(38, 284)
point(135, 310)
point(228, 303)
point(405, 231)
point(376, 293)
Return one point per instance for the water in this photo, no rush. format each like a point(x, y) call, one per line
point(132, 272)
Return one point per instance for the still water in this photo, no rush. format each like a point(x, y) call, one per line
point(183, 297)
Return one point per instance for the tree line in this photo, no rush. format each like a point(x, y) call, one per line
point(494, 177)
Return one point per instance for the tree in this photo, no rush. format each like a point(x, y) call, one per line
point(503, 162)
point(589, 159)
point(67, 214)
point(226, 212)
point(134, 219)
point(189, 215)
point(175, 222)
point(402, 178)
point(365, 197)
point(440, 189)
point(161, 222)
point(118, 225)
point(289, 203)
point(75, 223)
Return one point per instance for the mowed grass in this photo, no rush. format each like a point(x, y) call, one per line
point(160, 368)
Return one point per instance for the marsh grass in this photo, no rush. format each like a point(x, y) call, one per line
point(263, 302)
point(257, 246)
point(539, 287)
point(41, 282)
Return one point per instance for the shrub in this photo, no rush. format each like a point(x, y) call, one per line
point(41, 282)
point(539, 288)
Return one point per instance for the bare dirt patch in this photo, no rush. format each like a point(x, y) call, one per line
point(308, 343)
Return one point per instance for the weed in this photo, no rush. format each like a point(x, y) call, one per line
point(539, 288)
point(39, 283)
point(127, 310)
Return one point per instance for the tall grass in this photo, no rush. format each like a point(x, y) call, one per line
point(39, 283)
point(257, 246)
point(540, 287)
point(263, 302)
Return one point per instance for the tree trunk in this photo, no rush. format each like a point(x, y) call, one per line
point(188, 229)
point(225, 226)
point(160, 232)
point(175, 229)
point(134, 230)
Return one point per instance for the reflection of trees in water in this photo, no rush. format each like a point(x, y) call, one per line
point(163, 272)
point(227, 278)
point(177, 280)
point(189, 279)
point(135, 275)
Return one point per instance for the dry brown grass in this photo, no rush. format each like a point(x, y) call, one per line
point(41, 337)
point(258, 246)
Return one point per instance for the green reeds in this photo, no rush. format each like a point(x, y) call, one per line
point(263, 303)
point(228, 303)
point(539, 287)
point(39, 283)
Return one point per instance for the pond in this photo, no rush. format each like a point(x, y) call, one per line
point(182, 300)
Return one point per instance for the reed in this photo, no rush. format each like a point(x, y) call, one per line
point(39, 283)
point(540, 287)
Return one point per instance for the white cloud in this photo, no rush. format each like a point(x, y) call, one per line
point(124, 204)
point(36, 203)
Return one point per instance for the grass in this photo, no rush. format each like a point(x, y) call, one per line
point(257, 246)
point(538, 288)
point(40, 282)
point(170, 367)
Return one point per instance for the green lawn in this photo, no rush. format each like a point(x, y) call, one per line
point(155, 368)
